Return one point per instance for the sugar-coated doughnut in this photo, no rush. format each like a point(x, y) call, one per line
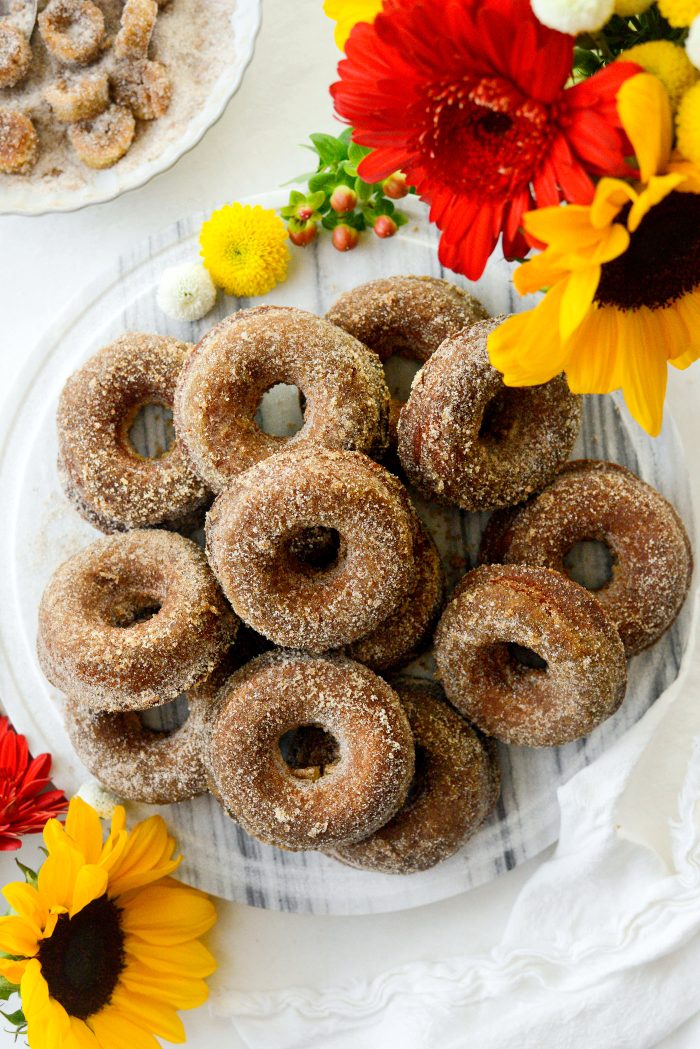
point(142, 86)
point(652, 560)
point(103, 140)
point(78, 97)
point(500, 610)
point(19, 143)
point(370, 761)
point(15, 54)
point(132, 621)
point(73, 30)
point(346, 397)
point(253, 526)
point(455, 786)
point(137, 23)
point(467, 439)
point(104, 476)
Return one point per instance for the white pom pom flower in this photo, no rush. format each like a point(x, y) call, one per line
point(102, 800)
point(574, 16)
point(692, 44)
point(186, 292)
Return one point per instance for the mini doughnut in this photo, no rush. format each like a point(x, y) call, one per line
point(219, 391)
point(344, 799)
point(19, 144)
point(254, 521)
point(132, 621)
point(142, 86)
point(73, 30)
point(399, 638)
point(409, 316)
point(467, 439)
point(139, 763)
point(104, 140)
point(454, 788)
point(15, 55)
point(103, 475)
point(603, 502)
point(80, 97)
point(136, 28)
point(500, 610)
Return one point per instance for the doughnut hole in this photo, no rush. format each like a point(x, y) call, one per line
point(511, 663)
point(134, 608)
point(400, 371)
point(316, 549)
point(167, 718)
point(309, 751)
point(148, 431)
point(280, 411)
point(502, 413)
point(590, 562)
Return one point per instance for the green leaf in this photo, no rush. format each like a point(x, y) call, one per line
point(346, 135)
point(31, 877)
point(357, 153)
point(331, 220)
point(315, 200)
point(399, 218)
point(363, 189)
point(7, 989)
point(324, 180)
point(17, 1018)
point(330, 150)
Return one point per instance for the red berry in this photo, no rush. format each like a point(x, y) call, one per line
point(395, 186)
point(343, 199)
point(305, 235)
point(385, 226)
point(304, 213)
point(345, 238)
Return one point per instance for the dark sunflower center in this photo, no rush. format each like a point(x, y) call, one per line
point(662, 262)
point(83, 958)
point(486, 135)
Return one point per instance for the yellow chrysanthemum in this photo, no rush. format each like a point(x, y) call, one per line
point(688, 125)
point(668, 62)
point(623, 275)
point(105, 945)
point(680, 13)
point(245, 249)
point(347, 12)
point(631, 7)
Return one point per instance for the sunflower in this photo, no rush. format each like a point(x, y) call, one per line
point(623, 275)
point(103, 944)
point(346, 13)
point(469, 99)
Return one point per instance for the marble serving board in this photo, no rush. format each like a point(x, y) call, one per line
point(41, 530)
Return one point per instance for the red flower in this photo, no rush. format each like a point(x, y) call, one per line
point(468, 99)
point(25, 803)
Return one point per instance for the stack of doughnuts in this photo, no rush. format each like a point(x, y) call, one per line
point(319, 582)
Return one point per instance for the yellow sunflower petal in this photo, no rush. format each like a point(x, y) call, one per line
point(54, 835)
point(34, 990)
point(527, 348)
point(192, 958)
point(167, 916)
point(83, 827)
point(645, 112)
point(81, 1037)
point(113, 1030)
point(591, 365)
point(26, 902)
point(691, 173)
point(158, 1017)
point(687, 310)
point(577, 299)
point(90, 884)
point(658, 189)
point(148, 851)
point(180, 991)
point(642, 368)
point(611, 195)
point(18, 937)
point(13, 971)
point(57, 876)
point(539, 272)
point(561, 228)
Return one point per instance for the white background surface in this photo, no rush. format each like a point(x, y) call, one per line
point(43, 264)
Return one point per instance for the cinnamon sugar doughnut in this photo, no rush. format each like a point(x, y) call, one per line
point(73, 30)
point(253, 523)
point(137, 23)
point(652, 561)
point(142, 86)
point(348, 797)
point(219, 391)
point(15, 55)
point(455, 786)
point(497, 612)
point(142, 764)
point(79, 97)
point(400, 638)
point(132, 621)
point(467, 439)
point(19, 143)
point(409, 316)
point(103, 140)
point(109, 483)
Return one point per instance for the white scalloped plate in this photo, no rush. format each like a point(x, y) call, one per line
point(40, 530)
point(157, 153)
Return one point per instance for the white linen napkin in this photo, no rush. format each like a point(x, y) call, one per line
point(601, 950)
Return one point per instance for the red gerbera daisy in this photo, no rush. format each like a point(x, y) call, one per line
point(25, 802)
point(468, 98)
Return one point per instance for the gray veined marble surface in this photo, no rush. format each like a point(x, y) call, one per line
point(42, 530)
